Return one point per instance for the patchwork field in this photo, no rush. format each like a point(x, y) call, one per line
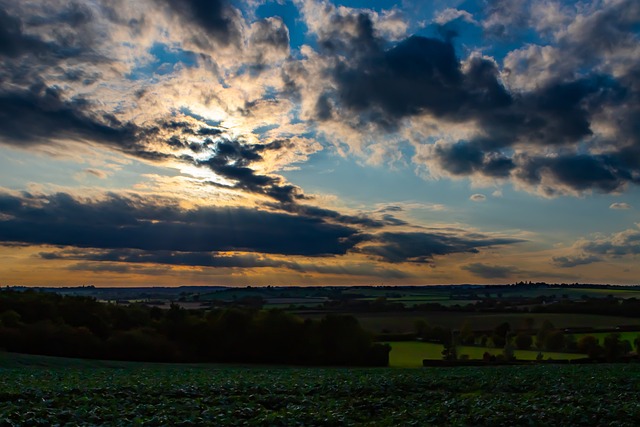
point(44, 391)
point(409, 354)
point(405, 321)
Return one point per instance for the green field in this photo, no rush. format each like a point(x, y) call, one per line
point(624, 336)
point(43, 391)
point(409, 354)
point(571, 293)
point(398, 322)
point(445, 295)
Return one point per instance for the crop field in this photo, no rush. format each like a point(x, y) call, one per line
point(440, 294)
point(405, 321)
point(571, 293)
point(409, 354)
point(38, 391)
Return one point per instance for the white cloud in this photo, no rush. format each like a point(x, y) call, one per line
point(620, 205)
point(450, 14)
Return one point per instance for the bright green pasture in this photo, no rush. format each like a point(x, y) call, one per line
point(409, 354)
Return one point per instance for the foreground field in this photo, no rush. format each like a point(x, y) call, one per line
point(43, 391)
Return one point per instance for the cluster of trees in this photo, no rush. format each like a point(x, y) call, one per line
point(629, 307)
point(499, 303)
point(71, 326)
point(545, 338)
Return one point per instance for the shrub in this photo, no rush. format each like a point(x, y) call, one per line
point(523, 341)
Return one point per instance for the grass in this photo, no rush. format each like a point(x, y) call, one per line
point(69, 392)
point(398, 322)
point(478, 352)
point(445, 294)
point(628, 336)
point(409, 354)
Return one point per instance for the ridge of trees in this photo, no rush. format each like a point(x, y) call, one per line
point(545, 338)
point(74, 326)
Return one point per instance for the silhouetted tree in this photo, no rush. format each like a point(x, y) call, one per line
point(83, 327)
point(541, 336)
point(554, 341)
point(466, 334)
point(421, 328)
point(500, 333)
point(613, 349)
point(589, 345)
point(523, 341)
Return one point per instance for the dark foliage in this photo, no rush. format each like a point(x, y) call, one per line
point(56, 325)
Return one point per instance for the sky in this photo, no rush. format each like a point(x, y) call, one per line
point(311, 142)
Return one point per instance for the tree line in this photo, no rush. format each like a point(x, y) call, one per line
point(72, 326)
point(545, 338)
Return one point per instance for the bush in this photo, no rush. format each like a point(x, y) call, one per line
point(554, 341)
point(51, 324)
point(589, 345)
point(523, 341)
point(10, 319)
point(614, 348)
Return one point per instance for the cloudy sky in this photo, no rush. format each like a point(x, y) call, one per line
point(310, 142)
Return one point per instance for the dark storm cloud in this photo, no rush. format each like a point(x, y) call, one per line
point(194, 259)
point(102, 267)
point(574, 261)
point(270, 33)
point(418, 75)
point(464, 158)
point(40, 114)
point(131, 223)
point(214, 260)
point(618, 245)
point(353, 33)
point(28, 44)
point(420, 247)
point(231, 159)
point(14, 42)
point(215, 17)
point(492, 271)
point(558, 115)
point(605, 173)
point(604, 32)
point(625, 243)
point(130, 229)
point(328, 214)
point(381, 83)
point(324, 110)
point(553, 115)
point(424, 76)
